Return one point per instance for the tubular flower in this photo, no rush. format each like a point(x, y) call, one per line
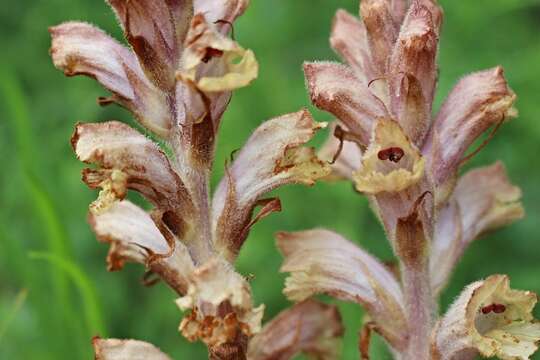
point(407, 162)
point(492, 319)
point(176, 78)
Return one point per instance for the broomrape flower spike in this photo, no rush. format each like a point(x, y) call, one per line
point(407, 163)
point(176, 78)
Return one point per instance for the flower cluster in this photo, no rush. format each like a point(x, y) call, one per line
point(407, 163)
point(176, 78)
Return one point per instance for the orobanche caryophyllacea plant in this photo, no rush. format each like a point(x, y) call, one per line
point(407, 164)
point(176, 78)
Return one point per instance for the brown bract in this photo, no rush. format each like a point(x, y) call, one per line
point(273, 156)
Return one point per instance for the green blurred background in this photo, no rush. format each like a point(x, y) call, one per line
point(53, 302)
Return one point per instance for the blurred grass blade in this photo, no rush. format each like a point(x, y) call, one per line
point(12, 314)
point(91, 308)
point(19, 120)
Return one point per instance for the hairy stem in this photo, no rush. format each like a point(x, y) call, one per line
point(417, 291)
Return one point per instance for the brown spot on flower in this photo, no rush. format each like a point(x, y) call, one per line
point(393, 154)
point(499, 308)
point(211, 53)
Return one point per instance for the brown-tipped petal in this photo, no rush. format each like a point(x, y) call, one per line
point(134, 237)
point(436, 12)
point(335, 88)
point(382, 31)
point(415, 56)
point(476, 103)
point(348, 156)
point(483, 200)
point(310, 327)
point(82, 49)
point(490, 318)
point(221, 304)
point(156, 31)
point(223, 12)
point(116, 349)
point(115, 146)
point(213, 62)
point(349, 40)
point(273, 156)
point(321, 261)
point(391, 163)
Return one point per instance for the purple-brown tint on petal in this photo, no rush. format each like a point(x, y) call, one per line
point(82, 49)
point(476, 103)
point(483, 200)
point(117, 349)
point(382, 31)
point(349, 40)
point(321, 261)
point(410, 107)
point(116, 147)
point(273, 156)
point(336, 88)
point(156, 32)
point(415, 56)
point(221, 12)
point(488, 200)
point(399, 9)
point(309, 327)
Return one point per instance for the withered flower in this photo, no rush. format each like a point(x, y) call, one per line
point(387, 142)
point(176, 78)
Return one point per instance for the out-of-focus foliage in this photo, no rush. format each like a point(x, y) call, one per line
point(71, 297)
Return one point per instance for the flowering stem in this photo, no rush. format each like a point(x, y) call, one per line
point(417, 292)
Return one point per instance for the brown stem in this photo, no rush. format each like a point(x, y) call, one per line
point(236, 350)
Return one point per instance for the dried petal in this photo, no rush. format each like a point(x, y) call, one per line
point(349, 40)
point(483, 200)
point(415, 55)
point(382, 30)
point(310, 327)
point(81, 49)
point(273, 156)
point(213, 62)
point(478, 101)
point(222, 307)
point(492, 318)
point(116, 349)
point(321, 261)
point(156, 32)
point(336, 88)
point(115, 146)
point(134, 237)
point(391, 163)
point(349, 156)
